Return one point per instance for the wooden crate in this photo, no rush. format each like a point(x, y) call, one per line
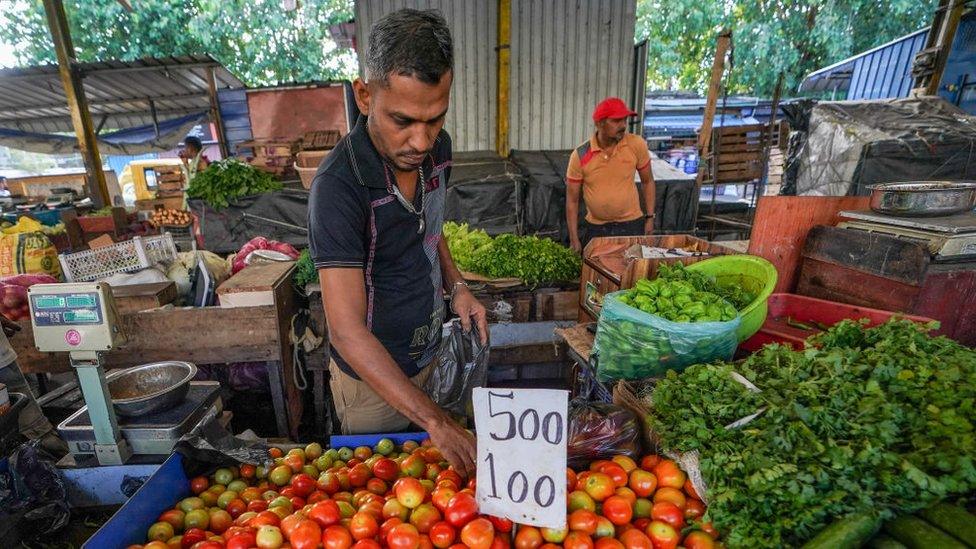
point(319, 140)
point(605, 269)
point(256, 285)
point(270, 147)
point(140, 297)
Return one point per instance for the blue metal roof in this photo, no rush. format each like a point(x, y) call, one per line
point(675, 125)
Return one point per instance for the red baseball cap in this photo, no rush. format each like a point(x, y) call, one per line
point(612, 107)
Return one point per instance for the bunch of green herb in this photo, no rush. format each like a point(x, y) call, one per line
point(101, 212)
point(877, 419)
point(226, 180)
point(531, 259)
point(305, 272)
point(464, 243)
point(735, 295)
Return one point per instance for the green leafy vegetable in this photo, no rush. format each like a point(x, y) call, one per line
point(228, 179)
point(531, 259)
point(863, 419)
point(735, 295)
point(305, 272)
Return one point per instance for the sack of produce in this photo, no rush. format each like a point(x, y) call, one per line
point(662, 325)
point(600, 431)
point(28, 253)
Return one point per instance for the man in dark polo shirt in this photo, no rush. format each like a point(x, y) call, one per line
point(375, 214)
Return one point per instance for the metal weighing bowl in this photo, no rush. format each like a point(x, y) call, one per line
point(151, 387)
point(923, 198)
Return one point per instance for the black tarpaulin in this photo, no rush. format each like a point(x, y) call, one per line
point(280, 215)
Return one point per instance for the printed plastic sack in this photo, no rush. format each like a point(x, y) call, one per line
point(28, 253)
point(13, 294)
point(460, 366)
point(600, 431)
point(243, 257)
point(632, 344)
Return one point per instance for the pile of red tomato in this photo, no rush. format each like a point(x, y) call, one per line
point(408, 498)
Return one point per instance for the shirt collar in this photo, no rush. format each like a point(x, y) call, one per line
point(375, 172)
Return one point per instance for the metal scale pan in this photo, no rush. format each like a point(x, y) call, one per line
point(151, 434)
point(950, 238)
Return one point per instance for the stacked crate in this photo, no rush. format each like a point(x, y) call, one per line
point(169, 181)
point(275, 156)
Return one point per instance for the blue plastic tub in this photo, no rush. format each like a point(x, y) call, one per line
point(45, 217)
point(352, 441)
point(128, 526)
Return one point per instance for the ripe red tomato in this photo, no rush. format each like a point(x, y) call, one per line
point(403, 536)
point(669, 474)
point(578, 540)
point(257, 506)
point(451, 475)
point(599, 486)
point(698, 540)
point(367, 544)
point(325, 513)
point(528, 537)
point(363, 526)
point(461, 509)
point(478, 534)
point(618, 510)
point(608, 543)
point(694, 509)
point(570, 480)
point(635, 539)
point(302, 485)
point(376, 486)
point(441, 497)
point(328, 483)
point(236, 507)
point(409, 492)
point(265, 518)
point(642, 482)
point(388, 525)
point(663, 535)
point(359, 474)
point(191, 536)
point(295, 462)
point(425, 517)
point(615, 472)
point(501, 542)
point(289, 523)
point(316, 496)
point(336, 537)
point(673, 495)
point(199, 485)
point(442, 535)
point(307, 535)
point(502, 525)
point(583, 520)
point(386, 469)
point(242, 540)
point(648, 463)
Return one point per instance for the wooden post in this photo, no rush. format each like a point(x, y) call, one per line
point(772, 130)
point(504, 70)
point(215, 114)
point(722, 44)
point(77, 103)
point(947, 33)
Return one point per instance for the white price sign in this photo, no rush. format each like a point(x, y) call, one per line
point(522, 454)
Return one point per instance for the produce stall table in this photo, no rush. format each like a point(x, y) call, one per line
point(201, 335)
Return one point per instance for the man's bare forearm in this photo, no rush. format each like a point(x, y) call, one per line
point(572, 211)
point(450, 275)
point(648, 188)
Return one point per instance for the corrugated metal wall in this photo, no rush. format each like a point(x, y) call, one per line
point(567, 55)
point(886, 71)
point(472, 114)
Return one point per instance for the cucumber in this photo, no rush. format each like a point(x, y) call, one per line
point(953, 520)
point(918, 534)
point(884, 542)
point(851, 532)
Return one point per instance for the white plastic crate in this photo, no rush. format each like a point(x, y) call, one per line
point(121, 257)
point(182, 236)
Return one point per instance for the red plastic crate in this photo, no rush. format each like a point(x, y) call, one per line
point(807, 310)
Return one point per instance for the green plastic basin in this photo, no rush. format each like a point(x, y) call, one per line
point(754, 274)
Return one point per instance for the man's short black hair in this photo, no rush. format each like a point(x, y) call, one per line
point(193, 141)
point(412, 43)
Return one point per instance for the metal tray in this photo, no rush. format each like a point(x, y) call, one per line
point(923, 198)
point(151, 387)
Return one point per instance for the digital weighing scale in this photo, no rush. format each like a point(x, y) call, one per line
point(951, 238)
point(81, 319)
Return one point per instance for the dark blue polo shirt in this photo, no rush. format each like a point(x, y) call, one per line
point(355, 221)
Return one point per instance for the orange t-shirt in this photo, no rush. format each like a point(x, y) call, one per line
point(609, 191)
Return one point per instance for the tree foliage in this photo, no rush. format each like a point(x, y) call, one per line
point(769, 36)
point(257, 40)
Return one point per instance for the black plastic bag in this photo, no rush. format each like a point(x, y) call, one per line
point(460, 366)
point(38, 493)
point(600, 431)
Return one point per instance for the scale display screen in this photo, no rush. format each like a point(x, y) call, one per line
point(49, 302)
point(66, 309)
point(82, 300)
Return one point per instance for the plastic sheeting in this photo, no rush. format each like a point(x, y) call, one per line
point(462, 365)
point(853, 144)
point(129, 141)
point(280, 215)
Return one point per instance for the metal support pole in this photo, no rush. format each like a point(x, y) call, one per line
point(75, 93)
point(504, 71)
point(110, 447)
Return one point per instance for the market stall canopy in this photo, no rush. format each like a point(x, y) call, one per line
point(148, 104)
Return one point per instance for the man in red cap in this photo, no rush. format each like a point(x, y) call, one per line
point(603, 168)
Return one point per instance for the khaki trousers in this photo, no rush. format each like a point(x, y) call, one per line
point(361, 410)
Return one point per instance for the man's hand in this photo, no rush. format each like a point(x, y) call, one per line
point(9, 326)
point(466, 306)
point(649, 226)
point(457, 445)
point(574, 244)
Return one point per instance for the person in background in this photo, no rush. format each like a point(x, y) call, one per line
point(31, 422)
point(193, 158)
point(375, 214)
point(603, 168)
